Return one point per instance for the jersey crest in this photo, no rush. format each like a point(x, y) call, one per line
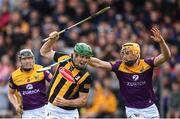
point(135, 77)
point(66, 74)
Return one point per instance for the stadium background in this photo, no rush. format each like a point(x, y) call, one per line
point(24, 24)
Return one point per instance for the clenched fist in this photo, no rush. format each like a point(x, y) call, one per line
point(54, 35)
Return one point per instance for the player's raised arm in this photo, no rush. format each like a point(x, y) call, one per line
point(165, 52)
point(95, 62)
point(46, 49)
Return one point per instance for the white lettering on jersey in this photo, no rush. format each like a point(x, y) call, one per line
point(30, 92)
point(141, 83)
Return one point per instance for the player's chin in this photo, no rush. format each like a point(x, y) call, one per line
point(28, 67)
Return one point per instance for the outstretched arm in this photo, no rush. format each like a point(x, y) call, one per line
point(165, 52)
point(46, 49)
point(95, 62)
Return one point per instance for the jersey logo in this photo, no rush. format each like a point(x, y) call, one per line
point(66, 74)
point(135, 77)
point(29, 87)
point(77, 78)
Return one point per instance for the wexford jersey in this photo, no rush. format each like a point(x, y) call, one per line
point(68, 81)
point(31, 86)
point(136, 83)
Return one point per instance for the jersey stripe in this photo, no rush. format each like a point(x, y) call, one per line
point(56, 90)
point(57, 80)
point(71, 88)
point(83, 78)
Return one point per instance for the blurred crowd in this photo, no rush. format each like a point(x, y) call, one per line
point(25, 23)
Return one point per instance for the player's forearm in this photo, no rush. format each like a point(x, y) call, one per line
point(79, 102)
point(47, 47)
point(94, 62)
point(12, 99)
point(165, 50)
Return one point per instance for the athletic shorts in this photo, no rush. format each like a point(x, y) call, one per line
point(38, 113)
point(148, 112)
point(54, 112)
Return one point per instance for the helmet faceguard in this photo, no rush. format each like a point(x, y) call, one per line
point(82, 50)
point(24, 54)
point(135, 51)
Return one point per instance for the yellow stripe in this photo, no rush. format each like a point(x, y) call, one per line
point(75, 72)
point(75, 90)
point(63, 57)
point(142, 67)
point(21, 78)
point(79, 82)
point(66, 86)
point(57, 80)
point(83, 78)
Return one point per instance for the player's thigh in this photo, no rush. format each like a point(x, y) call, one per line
point(56, 112)
point(29, 115)
point(133, 113)
point(151, 112)
point(54, 115)
point(38, 113)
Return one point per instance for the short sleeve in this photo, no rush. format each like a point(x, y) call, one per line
point(48, 76)
point(85, 85)
point(150, 61)
point(57, 55)
point(11, 83)
point(115, 65)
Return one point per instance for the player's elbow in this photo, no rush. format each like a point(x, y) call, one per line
point(169, 54)
point(42, 51)
point(45, 52)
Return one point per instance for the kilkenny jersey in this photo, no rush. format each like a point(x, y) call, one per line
point(31, 86)
point(68, 81)
point(136, 83)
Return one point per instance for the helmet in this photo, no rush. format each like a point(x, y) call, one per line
point(83, 49)
point(134, 47)
point(25, 53)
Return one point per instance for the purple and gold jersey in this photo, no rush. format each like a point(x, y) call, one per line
point(31, 86)
point(136, 83)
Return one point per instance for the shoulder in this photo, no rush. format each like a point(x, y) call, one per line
point(115, 65)
point(85, 76)
point(58, 56)
point(37, 66)
point(17, 72)
point(117, 62)
point(149, 61)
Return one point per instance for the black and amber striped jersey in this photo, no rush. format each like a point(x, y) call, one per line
point(68, 81)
